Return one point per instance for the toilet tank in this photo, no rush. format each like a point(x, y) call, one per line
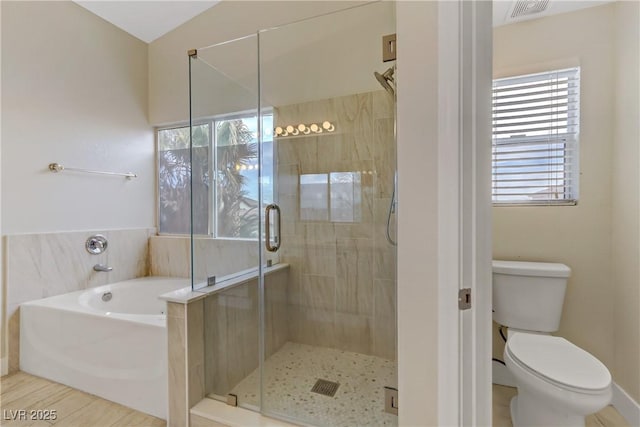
point(529, 295)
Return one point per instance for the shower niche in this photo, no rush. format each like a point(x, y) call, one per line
point(305, 333)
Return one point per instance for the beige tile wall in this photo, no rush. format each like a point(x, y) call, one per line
point(170, 256)
point(231, 330)
point(47, 264)
point(342, 274)
point(231, 337)
point(185, 333)
point(177, 414)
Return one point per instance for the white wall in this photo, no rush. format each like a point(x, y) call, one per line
point(3, 334)
point(625, 248)
point(579, 236)
point(168, 65)
point(600, 238)
point(300, 62)
point(418, 221)
point(74, 92)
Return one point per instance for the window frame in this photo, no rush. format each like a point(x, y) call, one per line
point(571, 139)
point(212, 228)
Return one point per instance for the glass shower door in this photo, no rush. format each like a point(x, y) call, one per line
point(224, 245)
point(293, 218)
point(329, 320)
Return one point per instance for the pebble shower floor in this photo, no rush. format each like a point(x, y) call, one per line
point(292, 371)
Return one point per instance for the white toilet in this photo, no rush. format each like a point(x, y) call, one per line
point(558, 382)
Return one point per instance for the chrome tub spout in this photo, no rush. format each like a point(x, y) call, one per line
point(102, 267)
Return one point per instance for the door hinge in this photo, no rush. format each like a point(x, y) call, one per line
point(232, 399)
point(464, 299)
point(391, 400)
point(389, 48)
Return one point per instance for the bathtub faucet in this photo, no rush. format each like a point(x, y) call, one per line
point(102, 267)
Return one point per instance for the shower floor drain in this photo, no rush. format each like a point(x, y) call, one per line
point(326, 388)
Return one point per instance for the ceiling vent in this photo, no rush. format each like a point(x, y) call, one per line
point(525, 8)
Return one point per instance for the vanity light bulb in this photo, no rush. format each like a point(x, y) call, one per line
point(304, 129)
point(237, 167)
point(279, 131)
point(315, 128)
point(328, 126)
point(290, 129)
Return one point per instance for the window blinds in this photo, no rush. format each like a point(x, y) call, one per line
point(535, 138)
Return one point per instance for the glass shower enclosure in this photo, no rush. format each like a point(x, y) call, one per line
point(293, 165)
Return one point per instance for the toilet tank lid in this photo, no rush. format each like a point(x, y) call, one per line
point(525, 268)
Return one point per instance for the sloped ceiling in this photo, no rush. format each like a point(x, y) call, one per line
point(147, 20)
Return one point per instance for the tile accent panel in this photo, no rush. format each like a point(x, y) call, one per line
point(170, 256)
point(186, 359)
point(48, 264)
point(342, 288)
point(177, 414)
point(231, 345)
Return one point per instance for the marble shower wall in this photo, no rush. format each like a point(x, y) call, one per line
point(231, 330)
point(170, 256)
point(43, 265)
point(334, 191)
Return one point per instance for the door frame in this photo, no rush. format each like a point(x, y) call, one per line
point(444, 223)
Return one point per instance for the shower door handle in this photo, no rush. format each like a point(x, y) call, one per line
point(267, 228)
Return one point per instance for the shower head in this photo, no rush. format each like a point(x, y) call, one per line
point(386, 79)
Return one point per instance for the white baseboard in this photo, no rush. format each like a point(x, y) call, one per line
point(625, 404)
point(4, 366)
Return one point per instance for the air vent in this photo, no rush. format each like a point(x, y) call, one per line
point(523, 8)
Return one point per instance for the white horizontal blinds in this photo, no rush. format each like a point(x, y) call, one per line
point(535, 138)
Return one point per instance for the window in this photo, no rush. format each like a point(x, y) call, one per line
point(225, 177)
point(535, 138)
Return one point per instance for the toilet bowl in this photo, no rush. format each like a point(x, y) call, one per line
point(558, 382)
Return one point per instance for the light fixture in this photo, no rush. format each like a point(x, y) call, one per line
point(328, 126)
point(304, 129)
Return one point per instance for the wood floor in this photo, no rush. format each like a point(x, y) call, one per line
point(78, 409)
point(608, 417)
point(22, 391)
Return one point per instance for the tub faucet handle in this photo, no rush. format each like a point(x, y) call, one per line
point(102, 267)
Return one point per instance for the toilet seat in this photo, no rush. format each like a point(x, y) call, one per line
point(558, 361)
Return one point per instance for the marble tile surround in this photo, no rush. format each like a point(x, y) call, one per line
point(342, 288)
point(48, 264)
point(231, 345)
point(170, 256)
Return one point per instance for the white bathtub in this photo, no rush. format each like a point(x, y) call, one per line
point(115, 349)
